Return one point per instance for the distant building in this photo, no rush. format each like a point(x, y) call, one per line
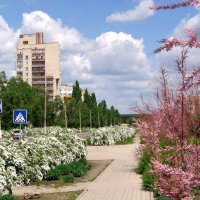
point(38, 63)
point(66, 92)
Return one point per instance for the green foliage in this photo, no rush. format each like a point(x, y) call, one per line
point(53, 174)
point(163, 198)
point(87, 142)
point(127, 141)
point(76, 93)
point(166, 142)
point(64, 169)
point(75, 169)
point(143, 163)
point(3, 80)
point(68, 179)
point(7, 197)
point(80, 171)
point(144, 168)
point(17, 94)
point(196, 192)
point(147, 178)
point(79, 168)
point(165, 155)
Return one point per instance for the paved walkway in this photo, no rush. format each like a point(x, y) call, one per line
point(117, 182)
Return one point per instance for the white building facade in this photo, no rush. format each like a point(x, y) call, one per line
point(38, 63)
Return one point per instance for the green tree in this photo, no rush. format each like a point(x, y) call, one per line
point(102, 108)
point(76, 93)
point(3, 80)
point(17, 95)
point(73, 113)
point(59, 117)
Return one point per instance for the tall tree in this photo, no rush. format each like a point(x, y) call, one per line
point(3, 79)
point(102, 107)
point(17, 95)
point(76, 93)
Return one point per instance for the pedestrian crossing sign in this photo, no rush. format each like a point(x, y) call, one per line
point(20, 116)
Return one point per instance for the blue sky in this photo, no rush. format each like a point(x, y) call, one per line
point(107, 45)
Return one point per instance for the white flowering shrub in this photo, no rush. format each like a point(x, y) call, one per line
point(110, 135)
point(30, 159)
point(5, 133)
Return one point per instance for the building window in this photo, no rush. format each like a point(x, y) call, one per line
point(27, 80)
point(27, 62)
point(25, 42)
point(26, 57)
point(26, 74)
point(26, 68)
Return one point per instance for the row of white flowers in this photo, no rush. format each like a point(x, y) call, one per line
point(110, 135)
point(29, 159)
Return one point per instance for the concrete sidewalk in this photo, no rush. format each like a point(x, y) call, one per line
point(118, 181)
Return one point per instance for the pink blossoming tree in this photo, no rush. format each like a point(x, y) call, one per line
point(176, 121)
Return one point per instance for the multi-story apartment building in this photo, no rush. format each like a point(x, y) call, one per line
point(38, 63)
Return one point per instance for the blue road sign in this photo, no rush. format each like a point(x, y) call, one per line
point(1, 106)
point(20, 116)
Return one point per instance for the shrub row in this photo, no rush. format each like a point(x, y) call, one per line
point(68, 171)
point(144, 167)
point(110, 135)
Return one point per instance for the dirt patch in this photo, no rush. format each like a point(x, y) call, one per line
point(55, 196)
point(97, 166)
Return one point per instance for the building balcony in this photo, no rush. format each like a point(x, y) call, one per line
point(19, 70)
point(38, 59)
point(38, 76)
point(38, 82)
point(49, 82)
point(49, 88)
point(38, 70)
point(38, 53)
point(19, 73)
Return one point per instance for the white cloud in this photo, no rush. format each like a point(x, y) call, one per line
point(7, 50)
point(187, 23)
point(114, 65)
point(180, 32)
point(139, 13)
point(69, 38)
point(168, 59)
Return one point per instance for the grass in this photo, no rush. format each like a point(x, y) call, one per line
point(126, 141)
point(56, 196)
